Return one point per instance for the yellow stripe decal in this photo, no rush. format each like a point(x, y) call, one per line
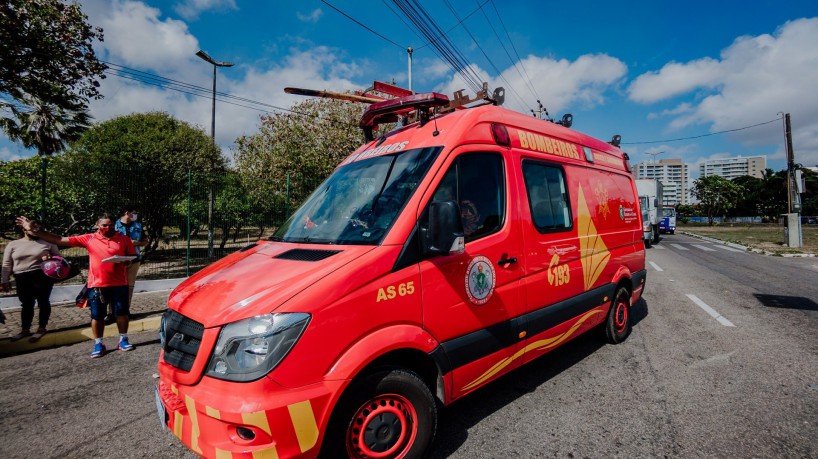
point(177, 424)
point(213, 412)
point(222, 454)
point(539, 345)
point(304, 423)
point(269, 453)
point(174, 389)
point(194, 431)
point(257, 419)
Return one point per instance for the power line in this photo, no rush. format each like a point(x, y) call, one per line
point(444, 48)
point(362, 24)
point(199, 91)
point(514, 48)
point(500, 74)
point(702, 135)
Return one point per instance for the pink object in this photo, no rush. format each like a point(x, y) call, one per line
point(56, 268)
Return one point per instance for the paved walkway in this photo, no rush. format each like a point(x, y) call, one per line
point(69, 324)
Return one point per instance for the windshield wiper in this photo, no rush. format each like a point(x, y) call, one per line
point(385, 181)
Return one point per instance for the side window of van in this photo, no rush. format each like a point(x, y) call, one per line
point(547, 196)
point(476, 182)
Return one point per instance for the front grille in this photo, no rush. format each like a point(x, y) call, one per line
point(180, 338)
point(307, 255)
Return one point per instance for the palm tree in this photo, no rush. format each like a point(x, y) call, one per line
point(46, 125)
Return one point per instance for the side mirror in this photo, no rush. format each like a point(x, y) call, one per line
point(443, 233)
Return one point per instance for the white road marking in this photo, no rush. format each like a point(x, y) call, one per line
point(655, 266)
point(659, 247)
point(704, 247)
point(679, 247)
point(730, 249)
point(722, 320)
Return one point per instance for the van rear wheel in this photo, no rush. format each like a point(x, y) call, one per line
point(389, 414)
point(618, 323)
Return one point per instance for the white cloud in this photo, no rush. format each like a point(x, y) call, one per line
point(138, 37)
point(674, 79)
point(6, 154)
point(559, 84)
point(313, 16)
point(754, 79)
point(190, 9)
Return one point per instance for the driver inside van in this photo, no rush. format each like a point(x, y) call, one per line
point(470, 217)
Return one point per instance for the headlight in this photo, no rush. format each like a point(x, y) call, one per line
point(249, 349)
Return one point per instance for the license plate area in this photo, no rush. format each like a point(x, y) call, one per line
point(160, 409)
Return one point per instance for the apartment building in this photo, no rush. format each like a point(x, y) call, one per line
point(674, 175)
point(730, 168)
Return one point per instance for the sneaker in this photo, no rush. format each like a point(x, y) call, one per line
point(124, 345)
point(36, 337)
point(21, 335)
point(99, 350)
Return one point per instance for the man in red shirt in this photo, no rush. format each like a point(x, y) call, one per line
point(107, 280)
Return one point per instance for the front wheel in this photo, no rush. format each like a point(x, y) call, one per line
point(389, 414)
point(618, 323)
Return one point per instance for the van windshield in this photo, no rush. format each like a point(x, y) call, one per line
point(360, 201)
point(668, 212)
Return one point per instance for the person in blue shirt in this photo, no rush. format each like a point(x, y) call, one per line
point(128, 225)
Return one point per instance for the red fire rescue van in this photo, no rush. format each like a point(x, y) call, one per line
point(435, 259)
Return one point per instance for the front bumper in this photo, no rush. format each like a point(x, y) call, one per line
point(261, 419)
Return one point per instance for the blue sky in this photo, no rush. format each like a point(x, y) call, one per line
point(650, 71)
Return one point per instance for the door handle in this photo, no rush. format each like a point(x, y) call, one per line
point(506, 261)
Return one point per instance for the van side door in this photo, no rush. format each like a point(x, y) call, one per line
point(472, 301)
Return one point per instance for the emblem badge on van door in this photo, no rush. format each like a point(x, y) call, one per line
point(480, 280)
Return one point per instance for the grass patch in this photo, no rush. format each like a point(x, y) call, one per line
point(767, 237)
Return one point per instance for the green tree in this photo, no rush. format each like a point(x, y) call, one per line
point(748, 202)
point(46, 51)
point(153, 152)
point(47, 126)
point(772, 198)
point(809, 200)
point(716, 195)
point(298, 148)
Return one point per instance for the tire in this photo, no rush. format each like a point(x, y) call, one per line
point(655, 234)
point(647, 243)
point(618, 323)
point(673, 232)
point(388, 414)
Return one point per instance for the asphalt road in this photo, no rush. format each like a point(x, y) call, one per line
point(738, 381)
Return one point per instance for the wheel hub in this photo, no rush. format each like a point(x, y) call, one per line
point(621, 316)
point(384, 427)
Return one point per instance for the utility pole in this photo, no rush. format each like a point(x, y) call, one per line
point(410, 51)
point(793, 227)
point(538, 113)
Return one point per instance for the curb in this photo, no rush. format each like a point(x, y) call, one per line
point(748, 249)
point(78, 335)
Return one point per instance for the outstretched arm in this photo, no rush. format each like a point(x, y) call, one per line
point(55, 239)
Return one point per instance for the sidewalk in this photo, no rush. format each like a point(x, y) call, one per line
point(69, 324)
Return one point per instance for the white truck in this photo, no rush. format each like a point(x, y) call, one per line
point(650, 198)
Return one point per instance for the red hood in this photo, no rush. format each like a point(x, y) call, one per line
point(247, 284)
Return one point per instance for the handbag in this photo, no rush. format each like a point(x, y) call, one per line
point(82, 298)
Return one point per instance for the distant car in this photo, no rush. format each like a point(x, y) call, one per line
point(809, 220)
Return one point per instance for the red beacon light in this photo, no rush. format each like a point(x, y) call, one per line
point(388, 111)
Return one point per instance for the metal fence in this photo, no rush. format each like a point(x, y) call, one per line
point(191, 222)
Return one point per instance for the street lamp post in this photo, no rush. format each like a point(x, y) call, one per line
point(653, 161)
point(206, 57)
